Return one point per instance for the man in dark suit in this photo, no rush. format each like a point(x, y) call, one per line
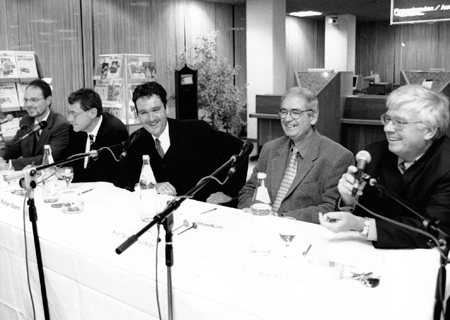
point(318, 162)
point(413, 165)
point(38, 100)
point(93, 129)
point(188, 151)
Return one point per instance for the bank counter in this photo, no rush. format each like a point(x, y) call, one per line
point(214, 276)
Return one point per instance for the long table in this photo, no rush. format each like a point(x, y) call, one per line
point(214, 276)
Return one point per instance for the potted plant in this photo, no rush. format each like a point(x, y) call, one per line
point(220, 101)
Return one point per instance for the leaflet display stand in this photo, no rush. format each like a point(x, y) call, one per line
point(17, 70)
point(116, 77)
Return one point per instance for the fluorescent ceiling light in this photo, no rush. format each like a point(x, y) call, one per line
point(305, 13)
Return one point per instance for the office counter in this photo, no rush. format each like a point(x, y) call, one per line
point(214, 274)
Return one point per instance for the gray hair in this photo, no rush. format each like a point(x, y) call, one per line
point(307, 95)
point(431, 107)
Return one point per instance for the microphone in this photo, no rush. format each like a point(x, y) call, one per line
point(362, 158)
point(9, 117)
point(134, 136)
point(41, 125)
point(246, 149)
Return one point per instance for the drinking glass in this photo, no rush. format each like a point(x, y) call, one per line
point(6, 170)
point(67, 175)
point(287, 229)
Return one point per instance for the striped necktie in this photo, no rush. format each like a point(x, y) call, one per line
point(288, 178)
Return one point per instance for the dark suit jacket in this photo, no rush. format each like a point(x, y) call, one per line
point(56, 134)
point(425, 186)
point(314, 188)
point(196, 150)
point(111, 132)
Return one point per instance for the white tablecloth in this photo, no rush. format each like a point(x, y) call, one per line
point(214, 274)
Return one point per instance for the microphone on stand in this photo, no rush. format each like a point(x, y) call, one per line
point(41, 125)
point(362, 158)
point(246, 149)
point(8, 118)
point(132, 139)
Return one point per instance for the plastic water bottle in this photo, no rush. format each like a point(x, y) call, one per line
point(261, 204)
point(50, 181)
point(147, 190)
point(261, 210)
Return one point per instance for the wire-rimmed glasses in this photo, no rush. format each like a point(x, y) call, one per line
point(398, 125)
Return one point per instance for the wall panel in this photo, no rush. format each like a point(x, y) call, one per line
point(304, 46)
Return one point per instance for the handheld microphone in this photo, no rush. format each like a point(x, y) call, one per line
point(246, 149)
point(132, 139)
point(9, 117)
point(41, 125)
point(362, 158)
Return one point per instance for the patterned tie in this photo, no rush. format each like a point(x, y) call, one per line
point(91, 141)
point(288, 177)
point(159, 148)
point(87, 160)
point(402, 167)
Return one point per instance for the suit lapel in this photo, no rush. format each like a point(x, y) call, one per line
point(44, 134)
point(306, 164)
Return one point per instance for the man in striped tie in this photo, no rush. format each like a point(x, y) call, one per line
point(412, 164)
point(92, 129)
point(303, 167)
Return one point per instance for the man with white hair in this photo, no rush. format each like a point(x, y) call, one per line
point(412, 164)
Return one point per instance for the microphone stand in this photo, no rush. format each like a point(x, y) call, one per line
point(29, 183)
point(166, 217)
point(443, 248)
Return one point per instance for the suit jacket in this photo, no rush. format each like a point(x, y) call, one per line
point(30, 150)
point(425, 186)
point(111, 132)
point(196, 150)
point(314, 188)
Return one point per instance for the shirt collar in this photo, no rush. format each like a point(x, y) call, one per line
point(164, 138)
point(43, 119)
point(303, 145)
point(94, 131)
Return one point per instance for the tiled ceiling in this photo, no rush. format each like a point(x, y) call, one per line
point(364, 10)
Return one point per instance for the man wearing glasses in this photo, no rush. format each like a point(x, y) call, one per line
point(38, 100)
point(303, 167)
point(93, 129)
point(413, 165)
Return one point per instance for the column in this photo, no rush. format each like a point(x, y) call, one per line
point(266, 53)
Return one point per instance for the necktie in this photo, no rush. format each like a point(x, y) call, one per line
point(402, 167)
point(87, 160)
point(91, 141)
point(288, 177)
point(159, 148)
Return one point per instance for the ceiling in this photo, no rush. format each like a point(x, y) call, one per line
point(364, 10)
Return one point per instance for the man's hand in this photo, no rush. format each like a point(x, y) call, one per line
point(218, 197)
point(166, 188)
point(340, 221)
point(345, 186)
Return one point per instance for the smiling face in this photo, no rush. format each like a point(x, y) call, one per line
point(152, 114)
point(297, 129)
point(413, 140)
point(37, 106)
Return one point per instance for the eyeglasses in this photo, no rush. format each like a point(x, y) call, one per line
point(398, 125)
point(295, 113)
point(74, 115)
point(32, 100)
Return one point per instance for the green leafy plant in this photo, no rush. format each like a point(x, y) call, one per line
point(220, 101)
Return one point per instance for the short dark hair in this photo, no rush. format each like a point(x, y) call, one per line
point(88, 99)
point(41, 84)
point(149, 89)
